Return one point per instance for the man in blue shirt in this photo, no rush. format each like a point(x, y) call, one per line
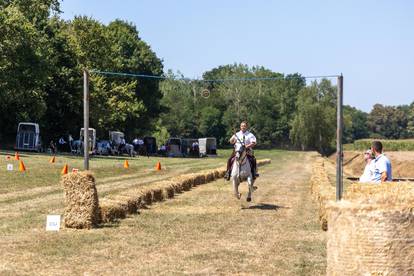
point(382, 170)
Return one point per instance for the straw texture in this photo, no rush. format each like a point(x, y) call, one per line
point(81, 200)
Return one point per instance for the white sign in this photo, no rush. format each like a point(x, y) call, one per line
point(9, 167)
point(53, 223)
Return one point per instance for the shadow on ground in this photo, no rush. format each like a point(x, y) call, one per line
point(265, 206)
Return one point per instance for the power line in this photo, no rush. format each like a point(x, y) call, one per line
point(210, 80)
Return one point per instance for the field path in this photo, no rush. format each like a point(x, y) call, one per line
point(204, 231)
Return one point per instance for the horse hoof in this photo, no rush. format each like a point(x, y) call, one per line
point(254, 188)
point(248, 199)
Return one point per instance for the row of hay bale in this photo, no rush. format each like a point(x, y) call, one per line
point(371, 230)
point(321, 189)
point(83, 210)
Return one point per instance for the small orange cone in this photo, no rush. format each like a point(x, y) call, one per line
point(126, 164)
point(158, 166)
point(22, 168)
point(16, 156)
point(65, 169)
point(52, 160)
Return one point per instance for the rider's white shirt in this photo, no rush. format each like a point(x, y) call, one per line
point(245, 137)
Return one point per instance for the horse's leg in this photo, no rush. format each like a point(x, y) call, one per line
point(236, 183)
point(250, 185)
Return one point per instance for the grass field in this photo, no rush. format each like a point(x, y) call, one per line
point(203, 231)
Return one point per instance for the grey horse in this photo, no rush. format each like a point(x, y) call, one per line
point(241, 171)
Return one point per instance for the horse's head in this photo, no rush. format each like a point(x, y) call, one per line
point(240, 151)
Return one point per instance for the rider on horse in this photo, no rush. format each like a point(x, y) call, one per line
point(247, 139)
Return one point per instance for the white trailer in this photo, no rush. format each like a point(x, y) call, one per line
point(28, 137)
point(207, 146)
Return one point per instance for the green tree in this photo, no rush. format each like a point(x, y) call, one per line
point(355, 124)
point(314, 123)
point(22, 73)
point(387, 122)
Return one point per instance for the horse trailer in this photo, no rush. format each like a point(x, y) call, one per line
point(174, 147)
point(189, 147)
point(150, 145)
point(207, 146)
point(92, 138)
point(28, 137)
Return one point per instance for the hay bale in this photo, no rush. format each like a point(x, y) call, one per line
point(157, 194)
point(81, 200)
point(132, 203)
point(168, 191)
point(146, 196)
point(209, 176)
point(200, 178)
point(112, 210)
point(373, 234)
point(263, 162)
point(186, 181)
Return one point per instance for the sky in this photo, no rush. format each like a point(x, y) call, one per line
point(370, 42)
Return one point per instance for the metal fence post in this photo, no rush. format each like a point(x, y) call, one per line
point(339, 131)
point(85, 119)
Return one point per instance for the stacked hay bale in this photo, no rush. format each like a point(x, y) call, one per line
point(371, 232)
point(81, 200)
point(321, 189)
point(117, 206)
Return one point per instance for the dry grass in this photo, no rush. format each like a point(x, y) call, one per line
point(204, 231)
point(135, 199)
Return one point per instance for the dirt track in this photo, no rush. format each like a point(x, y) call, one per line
point(203, 231)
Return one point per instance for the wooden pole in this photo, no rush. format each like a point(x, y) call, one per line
point(339, 131)
point(85, 120)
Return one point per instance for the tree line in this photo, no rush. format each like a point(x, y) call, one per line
point(42, 58)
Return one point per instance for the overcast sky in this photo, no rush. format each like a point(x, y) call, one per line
point(370, 42)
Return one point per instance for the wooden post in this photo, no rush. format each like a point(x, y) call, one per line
point(339, 131)
point(85, 120)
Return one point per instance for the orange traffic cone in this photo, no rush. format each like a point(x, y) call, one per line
point(22, 168)
point(126, 164)
point(16, 156)
point(65, 169)
point(158, 166)
point(52, 160)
